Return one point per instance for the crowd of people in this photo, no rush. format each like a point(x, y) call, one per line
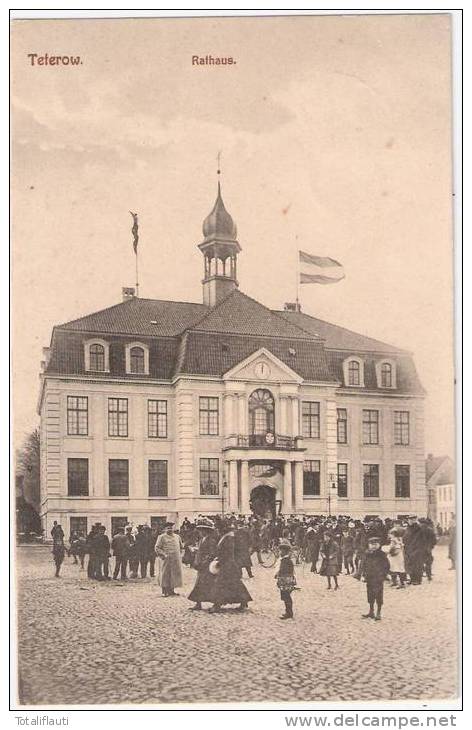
point(220, 547)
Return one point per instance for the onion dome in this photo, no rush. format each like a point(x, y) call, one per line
point(219, 224)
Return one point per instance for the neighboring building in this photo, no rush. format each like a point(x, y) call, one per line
point(441, 490)
point(157, 409)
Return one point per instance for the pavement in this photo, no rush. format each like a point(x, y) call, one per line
point(83, 642)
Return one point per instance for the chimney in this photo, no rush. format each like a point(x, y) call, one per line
point(292, 307)
point(128, 292)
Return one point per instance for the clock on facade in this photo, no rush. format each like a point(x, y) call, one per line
point(262, 370)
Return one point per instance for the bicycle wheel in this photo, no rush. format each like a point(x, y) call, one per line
point(268, 558)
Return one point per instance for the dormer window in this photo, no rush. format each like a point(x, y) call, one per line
point(96, 356)
point(386, 375)
point(137, 359)
point(353, 372)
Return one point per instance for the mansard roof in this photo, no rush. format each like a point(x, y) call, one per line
point(339, 338)
point(140, 317)
point(190, 338)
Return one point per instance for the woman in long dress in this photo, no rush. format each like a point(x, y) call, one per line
point(203, 590)
point(229, 587)
point(168, 550)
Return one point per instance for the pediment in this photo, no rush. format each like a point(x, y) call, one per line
point(262, 367)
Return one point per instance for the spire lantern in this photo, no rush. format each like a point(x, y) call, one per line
point(220, 249)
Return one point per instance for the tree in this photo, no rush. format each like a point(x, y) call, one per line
point(28, 463)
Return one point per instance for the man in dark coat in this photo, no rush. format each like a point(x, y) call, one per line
point(242, 548)
point(229, 587)
point(101, 544)
point(414, 542)
point(120, 547)
point(141, 549)
point(57, 533)
point(92, 565)
point(429, 537)
point(375, 569)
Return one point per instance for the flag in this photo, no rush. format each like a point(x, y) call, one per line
point(319, 269)
point(134, 231)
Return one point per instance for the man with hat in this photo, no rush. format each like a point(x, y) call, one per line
point(415, 550)
point(203, 590)
point(375, 569)
point(168, 550)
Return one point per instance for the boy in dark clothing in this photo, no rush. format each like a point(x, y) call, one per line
point(286, 581)
point(375, 569)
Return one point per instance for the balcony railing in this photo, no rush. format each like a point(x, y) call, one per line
point(264, 441)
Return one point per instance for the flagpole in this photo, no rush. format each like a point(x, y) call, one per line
point(298, 277)
point(137, 276)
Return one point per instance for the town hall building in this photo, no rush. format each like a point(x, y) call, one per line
point(155, 409)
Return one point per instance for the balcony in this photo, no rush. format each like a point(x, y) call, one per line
point(264, 441)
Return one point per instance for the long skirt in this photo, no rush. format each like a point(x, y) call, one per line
point(229, 587)
point(204, 588)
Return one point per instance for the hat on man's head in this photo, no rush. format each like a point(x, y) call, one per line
point(204, 524)
point(374, 538)
point(169, 524)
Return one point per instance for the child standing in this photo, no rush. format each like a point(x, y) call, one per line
point(375, 570)
point(330, 563)
point(286, 581)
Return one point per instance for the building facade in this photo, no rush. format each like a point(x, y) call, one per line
point(441, 490)
point(153, 410)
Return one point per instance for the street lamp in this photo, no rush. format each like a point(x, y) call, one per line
point(331, 490)
point(224, 486)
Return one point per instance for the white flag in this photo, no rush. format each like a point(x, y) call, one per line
point(319, 269)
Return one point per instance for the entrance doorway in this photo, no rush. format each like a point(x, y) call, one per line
point(262, 501)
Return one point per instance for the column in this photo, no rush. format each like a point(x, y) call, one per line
point(233, 486)
point(283, 416)
point(242, 414)
point(299, 486)
point(245, 509)
point(287, 495)
point(295, 417)
point(229, 405)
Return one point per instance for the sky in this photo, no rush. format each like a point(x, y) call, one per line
point(335, 137)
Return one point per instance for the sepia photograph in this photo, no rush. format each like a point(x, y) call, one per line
point(234, 463)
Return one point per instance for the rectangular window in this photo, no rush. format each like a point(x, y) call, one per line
point(116, 523)
point(117, 416)
point(402, 480)
point(370, 427)
point(118, 477)
point(157, 419)
point(157, 472)
point(371, 480)
point(311, 419)
point(77, 415)
point(77, 477)
point(342, 480)
point(78, 525)
point(342, 425)
point(208, 416)
point(311, 478)
point(401, 428)
point(209, 476)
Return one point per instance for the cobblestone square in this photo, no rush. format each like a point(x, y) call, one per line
point(107, 643)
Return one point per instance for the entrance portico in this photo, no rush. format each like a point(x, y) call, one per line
point(243, 477)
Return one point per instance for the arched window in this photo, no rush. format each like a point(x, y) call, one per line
point(261, 412)
point(136, 360)
point(97, 358)
point(354, 373)
point(386, 375)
